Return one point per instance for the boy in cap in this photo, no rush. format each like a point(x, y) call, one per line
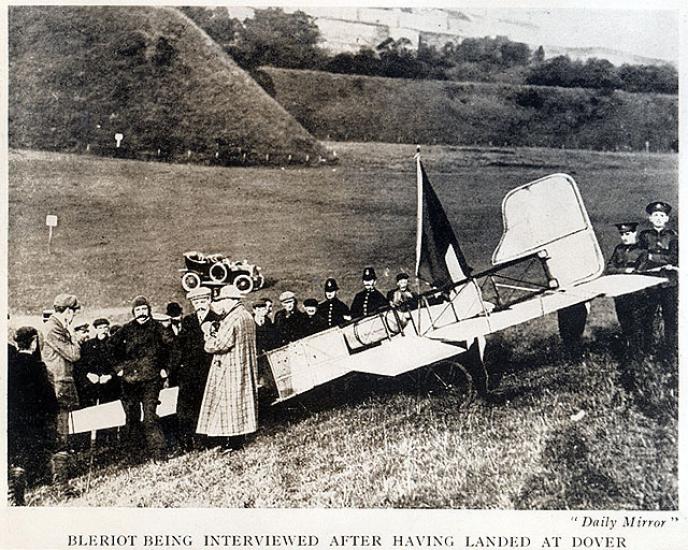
point(333, 310)
point(192, 371)
point(59, 351)
point(313, 323)
point(627, 258)
point(369, 300)
point(143, 345)
point(290, 320)
point(402, 294)
point(661, 245)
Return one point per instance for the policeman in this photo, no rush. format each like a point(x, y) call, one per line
point(369, 300)
point(661, 245)
point(628, 257)
point(333, 310)
point(289, 321)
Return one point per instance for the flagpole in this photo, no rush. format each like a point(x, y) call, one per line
point(419, 223)
point(419, 210)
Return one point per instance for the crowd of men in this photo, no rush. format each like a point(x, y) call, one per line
point(212, 356)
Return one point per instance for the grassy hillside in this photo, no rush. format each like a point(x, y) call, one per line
point(359, 108)
point(570, 436)
point(78, 75)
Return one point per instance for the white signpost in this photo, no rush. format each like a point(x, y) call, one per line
point(118, 139)
point(50, 221)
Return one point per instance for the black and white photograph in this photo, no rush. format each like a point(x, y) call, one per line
point(344, 257)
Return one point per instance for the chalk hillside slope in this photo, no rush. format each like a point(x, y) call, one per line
point(80, 75)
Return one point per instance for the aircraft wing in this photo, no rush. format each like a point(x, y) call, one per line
point(543, 304)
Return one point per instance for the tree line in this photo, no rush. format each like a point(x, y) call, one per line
point(290, 40)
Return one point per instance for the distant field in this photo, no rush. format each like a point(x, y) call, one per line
point(360, 108)
point(124, 225)
point(569, 435)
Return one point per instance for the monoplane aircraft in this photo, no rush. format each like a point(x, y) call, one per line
point(548, 260)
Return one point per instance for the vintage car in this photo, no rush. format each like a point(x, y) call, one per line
point(216, 270)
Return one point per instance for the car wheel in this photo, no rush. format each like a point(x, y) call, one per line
point(218, 272)
point(244, 283)
point(190, 280)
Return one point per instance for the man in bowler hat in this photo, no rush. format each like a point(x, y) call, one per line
point(290, 320)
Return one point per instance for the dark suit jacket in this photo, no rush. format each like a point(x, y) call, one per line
point(194, 362)
point(367, 302)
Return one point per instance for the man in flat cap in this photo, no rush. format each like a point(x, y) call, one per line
point(313, 323)
point(59, 352)
point(143, 345)
point(627, 258)
point(402, 295)
point(661, 245)
point(192, 371)
point(290, 320)
point(332, 309)
point(370, 299)
point(81, 332)
point(230, 403)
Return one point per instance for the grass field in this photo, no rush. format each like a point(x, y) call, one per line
point(122, 231)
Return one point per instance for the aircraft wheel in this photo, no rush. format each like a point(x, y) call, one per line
point(218, 272)
point(244, 283)
point(456, 379)
point(190, 280)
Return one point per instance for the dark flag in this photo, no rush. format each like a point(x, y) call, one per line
point(439, 259)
